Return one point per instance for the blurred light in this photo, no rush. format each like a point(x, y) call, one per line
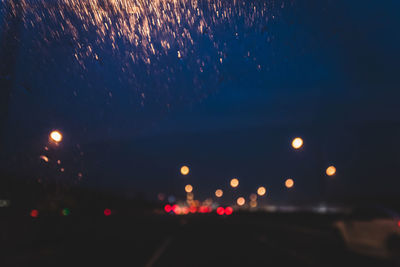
point(220, 211)
point(4, 203)
point(190, 196)
point(185, 210)
point(253, 204)
point(253, 197)
point(241, 201)
point(56, 136)
point(176, 209)
point(107, 212)
point(167, 208)
point(192, 209)
point(44, 158)
point(58, 162)
point(398, 223)
point(234, 182)
point(228, 210)
point(184, 170)
point(261, 191)
point(297, 143)
point(331, 171)
point(161, 196)
point(289, 183)
point(65, 212)
point(171, 199)
point(34, 213)
point(188, 188)
point(219, 193)
point(62, 169)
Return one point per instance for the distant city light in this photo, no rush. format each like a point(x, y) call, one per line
point(253, 197)
point(65, 212)
point(219, 193)
point(234, 182)
point(297, 143)
point(228, 210)
point(188, 188)
point(261, 191)
point(34, 213)
point(167, 208)
point(253, 204)
point(331, 171)
point(192, 209)
point(185, 170)
point(241, 201)
point(289, 183)
point(107, 212)
point(56, 136)
point(220, 211)
point(176, 209)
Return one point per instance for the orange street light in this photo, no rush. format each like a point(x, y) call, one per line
point(331, 171)
point(297, 143)
point(241, 201)
point(56, 136)
point(188, 188)
point(261, 191)
point(185, 170)
point(289, 183)
point(234, 182)
point(219, 193)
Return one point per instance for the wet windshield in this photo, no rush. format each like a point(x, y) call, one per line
point(239, 122)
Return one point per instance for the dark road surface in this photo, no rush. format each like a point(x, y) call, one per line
point(207, 240)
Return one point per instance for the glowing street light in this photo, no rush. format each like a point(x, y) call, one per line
point(56, 136)
point(241, 201)
point(331, 171)
point(297, 143)
point(188, 188)
point(289, 183)
point(261, 191)
point(234, 182)
point(219, 193)
point(185, 170)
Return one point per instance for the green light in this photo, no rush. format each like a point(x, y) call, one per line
point(65, 212)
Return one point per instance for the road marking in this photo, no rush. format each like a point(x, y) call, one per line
point(157, 254)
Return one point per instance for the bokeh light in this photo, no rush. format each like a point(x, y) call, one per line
point(219, 193)
point(253, 197)
point(289, 183)
point(234, 182)
point(188, 188)
point(331, 171)
point(228, 210)
point(34, 213)
point(241, 201)
point(185, 170)
point(253, 204)
point(107, 212)
point(261, 191)
point(297, 143)
point(65, 212)
point(167, 208)
point(56, 136)
point(220, 211)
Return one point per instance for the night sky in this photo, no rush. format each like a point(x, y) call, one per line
point(221, 86)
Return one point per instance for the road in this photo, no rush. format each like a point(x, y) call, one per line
point(204, 240)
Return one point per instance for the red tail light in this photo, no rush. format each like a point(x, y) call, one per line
point(220, 211)
point(228, 210)
point(167, 208)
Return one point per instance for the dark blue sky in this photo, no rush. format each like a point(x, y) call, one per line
point(226, 101)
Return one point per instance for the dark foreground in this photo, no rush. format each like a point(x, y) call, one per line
point(204, 240)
